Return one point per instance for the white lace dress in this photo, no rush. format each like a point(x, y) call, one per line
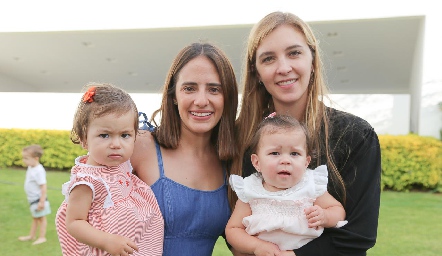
point(278, 217)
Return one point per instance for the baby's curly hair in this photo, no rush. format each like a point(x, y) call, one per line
point(98, 100)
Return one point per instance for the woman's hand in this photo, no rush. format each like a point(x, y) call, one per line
point(287, 253)
point(264, 248)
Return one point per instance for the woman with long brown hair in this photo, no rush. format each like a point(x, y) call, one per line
point(184, 158)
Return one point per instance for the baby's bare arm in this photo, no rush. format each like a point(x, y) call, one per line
point(79, 203)
point(240, 240)
point(326, 212)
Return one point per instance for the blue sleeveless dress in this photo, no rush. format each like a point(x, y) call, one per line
point(193, 219)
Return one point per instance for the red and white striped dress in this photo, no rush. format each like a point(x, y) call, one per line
point(122, 204)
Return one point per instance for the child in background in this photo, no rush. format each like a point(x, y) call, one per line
point(35, 188)
point(107, 210)
point(284, 204)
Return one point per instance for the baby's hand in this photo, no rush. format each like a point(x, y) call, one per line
point(316, 216)
point(119, 245)
point(267, 249)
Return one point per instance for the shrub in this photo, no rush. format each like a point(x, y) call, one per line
point(408, 161)
point(59, 151)
point(411, 162)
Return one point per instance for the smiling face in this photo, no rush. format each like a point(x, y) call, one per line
point(110, 139)
point(284, 65)
point(281, 158)
point(199, 96)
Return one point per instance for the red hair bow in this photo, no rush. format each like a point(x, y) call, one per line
point(89, 95)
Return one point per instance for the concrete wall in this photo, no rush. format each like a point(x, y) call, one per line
point(390, 113)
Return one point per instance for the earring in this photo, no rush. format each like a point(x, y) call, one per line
point(260, 82)
point(175, 102)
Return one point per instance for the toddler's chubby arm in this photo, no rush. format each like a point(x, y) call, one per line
point(326, 212)
point(240, 240)
point(79, 203)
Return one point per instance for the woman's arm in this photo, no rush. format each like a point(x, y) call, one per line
point(79, 203)
point(361, 171)
point(143, 159)
point(239, 239)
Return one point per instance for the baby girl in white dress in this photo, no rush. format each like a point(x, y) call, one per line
point(284, 205)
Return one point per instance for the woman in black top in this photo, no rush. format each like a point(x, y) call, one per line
point(283, 73)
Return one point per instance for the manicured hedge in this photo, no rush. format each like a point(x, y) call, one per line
point(59, 151)
point(408, 161)
point(411, 162)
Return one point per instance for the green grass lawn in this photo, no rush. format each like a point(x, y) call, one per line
point(15, 218)
point(409, 223)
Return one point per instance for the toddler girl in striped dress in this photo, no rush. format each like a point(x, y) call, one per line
point(107, 210)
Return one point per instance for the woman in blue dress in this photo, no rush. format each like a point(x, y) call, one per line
point(184, 158)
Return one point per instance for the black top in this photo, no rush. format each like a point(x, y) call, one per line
point(357, 155)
